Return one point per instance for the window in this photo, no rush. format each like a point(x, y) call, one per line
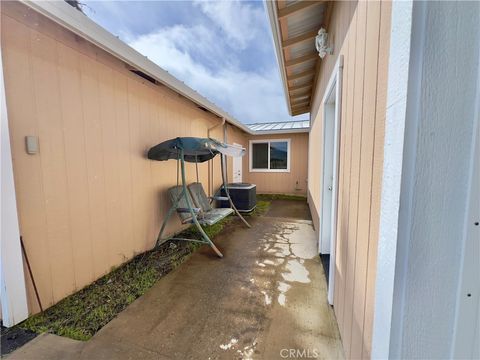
point(270, 155)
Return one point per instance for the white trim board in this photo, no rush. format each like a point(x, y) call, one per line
point(13, 293)
point(398, 71)
point(466, 343)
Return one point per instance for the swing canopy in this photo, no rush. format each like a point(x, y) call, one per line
point(194, 149)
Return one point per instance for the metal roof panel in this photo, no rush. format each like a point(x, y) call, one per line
point(281, 126)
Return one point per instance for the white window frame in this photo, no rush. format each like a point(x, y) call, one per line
point(268, 141)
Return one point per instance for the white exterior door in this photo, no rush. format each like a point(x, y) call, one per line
point(328, 218)
point(237, 168)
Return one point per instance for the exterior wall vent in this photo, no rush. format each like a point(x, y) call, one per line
point(145, 76)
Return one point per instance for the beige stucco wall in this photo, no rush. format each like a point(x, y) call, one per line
point(293, 182)
point(89, 200)
point(361, 34)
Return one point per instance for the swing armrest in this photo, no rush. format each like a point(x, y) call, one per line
point(219, 198)
point(187, 210)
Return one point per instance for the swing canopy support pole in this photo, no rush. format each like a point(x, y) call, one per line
point(194, 216)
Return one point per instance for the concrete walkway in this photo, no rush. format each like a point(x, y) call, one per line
point(266, 299)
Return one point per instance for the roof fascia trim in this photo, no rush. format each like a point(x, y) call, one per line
point(277, 41)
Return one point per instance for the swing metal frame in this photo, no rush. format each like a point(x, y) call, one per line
point(205, 239)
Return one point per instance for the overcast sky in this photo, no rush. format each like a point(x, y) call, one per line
point(224, 50)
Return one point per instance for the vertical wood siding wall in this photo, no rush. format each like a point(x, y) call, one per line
point(89, 200)
point(293, 182)
point(361, 34)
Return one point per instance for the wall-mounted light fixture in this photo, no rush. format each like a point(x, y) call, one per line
point(321, 43)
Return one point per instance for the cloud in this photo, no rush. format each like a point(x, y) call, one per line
point(240, 22)
point(222, 49)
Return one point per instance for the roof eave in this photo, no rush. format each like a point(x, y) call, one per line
point(68, 17)
point(277, 41)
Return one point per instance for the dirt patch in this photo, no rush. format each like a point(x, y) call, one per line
point(13, 338)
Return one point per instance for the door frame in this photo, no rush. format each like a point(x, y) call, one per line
point(334, 88)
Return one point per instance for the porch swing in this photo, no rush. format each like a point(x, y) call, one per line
point(190, 202)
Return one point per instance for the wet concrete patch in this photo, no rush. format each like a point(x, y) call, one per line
point(48, 347)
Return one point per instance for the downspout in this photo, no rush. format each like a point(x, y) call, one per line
point(225, 140)
point(215, 126)
point(210, 167)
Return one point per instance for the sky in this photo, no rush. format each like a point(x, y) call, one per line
point(222, 49)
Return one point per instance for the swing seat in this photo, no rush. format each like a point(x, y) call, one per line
point(182, 207)
point(205, 213)
point(214, 216)
point(208, 215)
